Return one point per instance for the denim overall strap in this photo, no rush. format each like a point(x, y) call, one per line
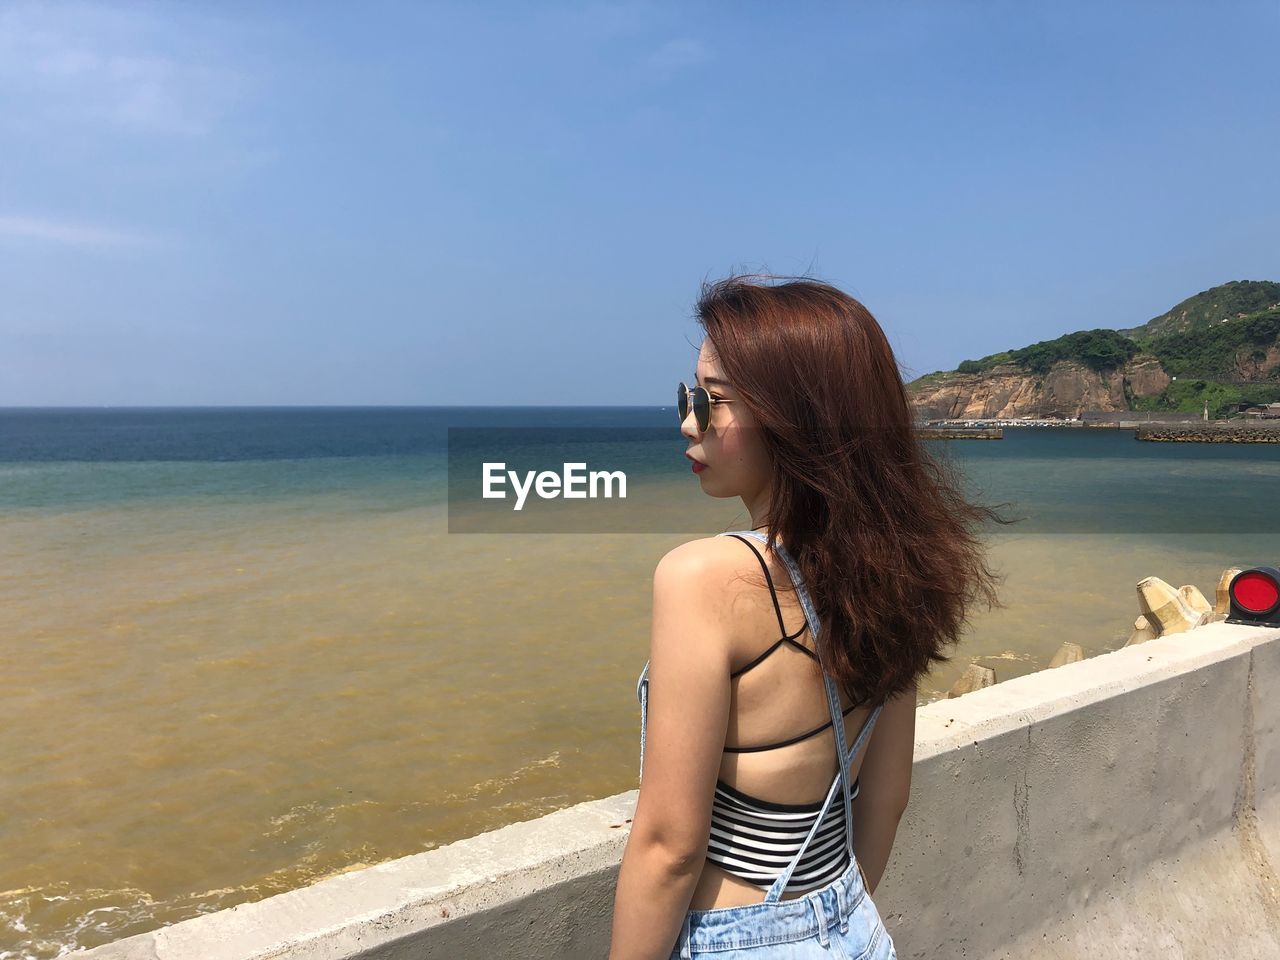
point(843, 752)
point(780, 884)
point(642, 691)
point(848, 762)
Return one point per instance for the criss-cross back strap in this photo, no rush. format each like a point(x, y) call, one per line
point(845, 756)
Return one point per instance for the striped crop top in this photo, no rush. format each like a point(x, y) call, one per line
point(756, 840)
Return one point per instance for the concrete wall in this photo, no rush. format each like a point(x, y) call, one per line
point(1127, 805)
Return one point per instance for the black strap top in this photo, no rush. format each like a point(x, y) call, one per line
point(791, 639)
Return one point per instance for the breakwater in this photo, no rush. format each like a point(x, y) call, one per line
point(959, 433)
point(1101, 807)
point(1210, 432)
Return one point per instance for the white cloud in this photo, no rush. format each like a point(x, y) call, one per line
point(120, 66)
point(69, 234)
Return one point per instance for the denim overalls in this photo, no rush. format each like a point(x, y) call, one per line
point(838, 920)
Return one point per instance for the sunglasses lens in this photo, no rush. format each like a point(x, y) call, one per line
point(682, 401)
point(701, 407)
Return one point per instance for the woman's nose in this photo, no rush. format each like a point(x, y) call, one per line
point(689, 425)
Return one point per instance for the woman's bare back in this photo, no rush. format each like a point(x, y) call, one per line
point(777, 699)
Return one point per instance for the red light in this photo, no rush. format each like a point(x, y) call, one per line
point(1255, 592)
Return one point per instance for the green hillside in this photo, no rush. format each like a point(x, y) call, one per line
point(1097, 349)
point(1209, 308)
point(1202, 359)
point(1190, 396)
point(1211, 351)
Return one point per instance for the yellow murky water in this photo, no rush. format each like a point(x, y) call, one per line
point(206, 705)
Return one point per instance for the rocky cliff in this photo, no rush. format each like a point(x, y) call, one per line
point(1257, 363)
point(1009, 391)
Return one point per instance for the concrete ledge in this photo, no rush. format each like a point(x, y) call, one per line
point(545, 884)
point(1127, 805)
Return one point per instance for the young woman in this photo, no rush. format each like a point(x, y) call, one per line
point(778, 704)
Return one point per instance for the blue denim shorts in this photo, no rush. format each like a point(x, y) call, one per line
point(836, 922)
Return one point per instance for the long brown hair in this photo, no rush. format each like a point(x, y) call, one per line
point(879, 528)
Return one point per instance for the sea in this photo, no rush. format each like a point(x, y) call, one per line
point(243, 649)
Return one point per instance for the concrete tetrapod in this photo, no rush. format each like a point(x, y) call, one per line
point(1167, 609)
point(1195, 599)
point(1222, 602)
point(1142, 631)
point(1067, 653)
point(975, 677)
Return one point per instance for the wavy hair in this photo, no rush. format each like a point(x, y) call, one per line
point(879, 528)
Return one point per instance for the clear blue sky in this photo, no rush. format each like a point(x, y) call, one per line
point(407, 203)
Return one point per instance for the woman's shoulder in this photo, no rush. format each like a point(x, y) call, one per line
point(706, 555)
point(696, 586)
point(710, 573)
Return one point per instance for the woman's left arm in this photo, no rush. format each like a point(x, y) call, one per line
point(688, 716)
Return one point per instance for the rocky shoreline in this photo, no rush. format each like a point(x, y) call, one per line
point(1209, 433)
point(959, 433)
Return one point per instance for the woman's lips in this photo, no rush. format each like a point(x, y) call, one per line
point(698, 467)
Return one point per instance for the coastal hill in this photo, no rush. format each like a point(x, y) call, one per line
point(1221, 346)
point(1236, 299)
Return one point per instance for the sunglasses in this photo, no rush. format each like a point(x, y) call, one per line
point(701, 402)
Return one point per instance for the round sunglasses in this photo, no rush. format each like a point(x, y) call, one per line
point(701, 401)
